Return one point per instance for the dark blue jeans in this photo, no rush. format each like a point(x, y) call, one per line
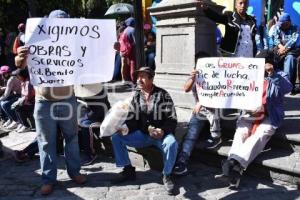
point(6, 107)
point(167, 145)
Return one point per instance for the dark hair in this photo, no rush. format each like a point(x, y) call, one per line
point(269, 57)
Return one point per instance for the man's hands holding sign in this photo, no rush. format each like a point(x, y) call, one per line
point(21, 57)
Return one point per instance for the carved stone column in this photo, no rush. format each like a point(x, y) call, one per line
point(182, 31)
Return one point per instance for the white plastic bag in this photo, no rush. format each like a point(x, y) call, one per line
point(115, 118)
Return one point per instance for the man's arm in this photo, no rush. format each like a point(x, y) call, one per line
point(211, 14)
point(292, 41)
point(21, 57)
point(190, 82)
point(8, 88)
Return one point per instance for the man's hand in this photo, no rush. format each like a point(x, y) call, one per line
point(156, 133)
point(197, 108)
point(21, 57)
point(123, 129)
point(117, 46)
point(194, 74)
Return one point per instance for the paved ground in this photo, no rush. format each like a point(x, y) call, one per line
point(22, 181)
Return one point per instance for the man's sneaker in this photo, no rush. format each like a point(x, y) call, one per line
point(7, 123)
point(23, 129)
point(180, 169)
point(128, 174)
point(18, 127)
point(13, 125)
point(212, 143)
point(168, 184)
point(88, 159)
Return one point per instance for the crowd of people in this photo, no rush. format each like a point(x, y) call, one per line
point(152, 117)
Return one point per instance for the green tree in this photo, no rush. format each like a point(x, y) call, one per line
point(110, 2)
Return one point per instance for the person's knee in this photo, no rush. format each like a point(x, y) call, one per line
point(115, 138)
point(289, 58)
point(170, 143)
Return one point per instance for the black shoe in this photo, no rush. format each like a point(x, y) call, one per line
point(168, 184)
point(128, 174)
point(88, 159)
point(227, 166)
point(212, 143)
point(293, 92)
point(234, 182)
point(180, 169)
point(232, 172)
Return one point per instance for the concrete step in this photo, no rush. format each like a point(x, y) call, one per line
point(273, 164)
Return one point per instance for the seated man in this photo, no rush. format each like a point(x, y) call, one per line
point(96, 108)
point(286, 41)
point(151, 121)
point(255, 128)
point(200, 115)
point(11, 94)
point(24, 106)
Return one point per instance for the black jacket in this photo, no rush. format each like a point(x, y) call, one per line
point(159, 113)
point(232, 22)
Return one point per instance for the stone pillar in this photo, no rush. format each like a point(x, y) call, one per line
point(182, 31)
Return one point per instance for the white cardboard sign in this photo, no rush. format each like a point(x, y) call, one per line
point(66, 51)
point(230, 82)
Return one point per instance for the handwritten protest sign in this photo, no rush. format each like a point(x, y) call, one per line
point(230, 82)
point(70, 51)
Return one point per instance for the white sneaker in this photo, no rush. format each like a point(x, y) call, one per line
point(18, 127)
point(23, 129)
point(13, 125)
point(7, 123)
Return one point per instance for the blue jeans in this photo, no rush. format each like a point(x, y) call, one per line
point(289, 67)
point(196, 124)
point(150, 60)
point(6, 107)
point(48, 116)
point(168, 146)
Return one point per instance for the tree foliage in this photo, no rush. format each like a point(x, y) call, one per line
point(13, 12)
point(110, 2)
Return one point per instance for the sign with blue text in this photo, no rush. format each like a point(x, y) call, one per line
point(64, 51)
point(230, 82)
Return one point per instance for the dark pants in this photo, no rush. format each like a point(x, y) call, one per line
point(6, 107)
point(25, 113)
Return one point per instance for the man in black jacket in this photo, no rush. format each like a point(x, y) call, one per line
point(151, 121)
point(240, 29)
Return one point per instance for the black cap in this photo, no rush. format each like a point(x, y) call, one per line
point(268, 55)
point(147, 70)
